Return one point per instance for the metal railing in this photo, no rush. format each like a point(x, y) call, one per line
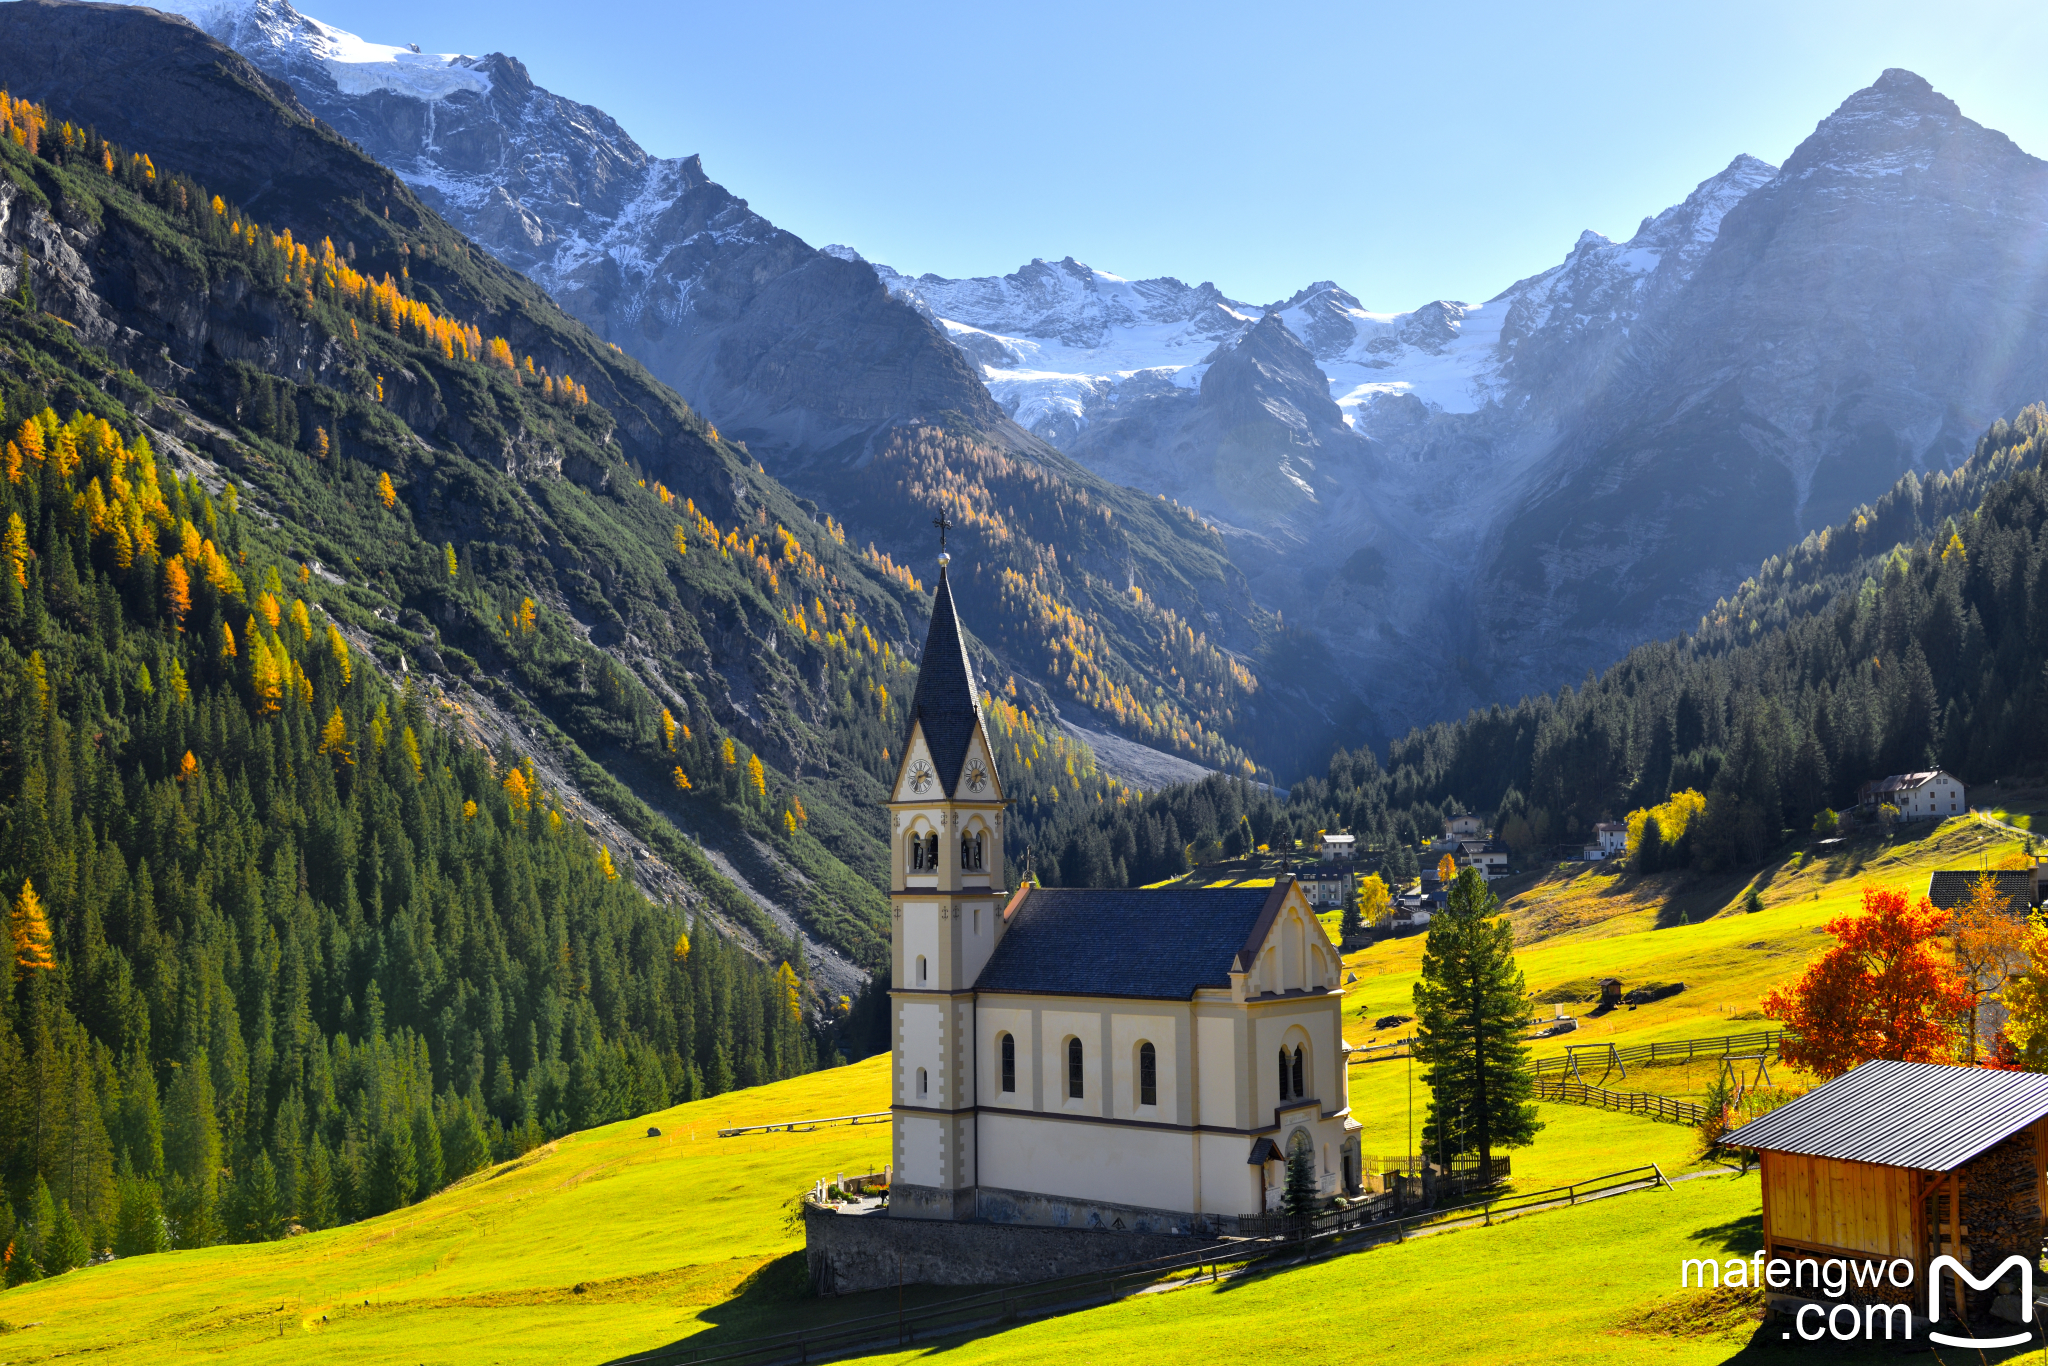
point(804, 1126)
point(1002, 1306)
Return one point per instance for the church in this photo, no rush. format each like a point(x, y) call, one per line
point(1140, 1060)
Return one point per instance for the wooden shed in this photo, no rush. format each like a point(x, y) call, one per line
point(1610, 992)
point(1874, 1165)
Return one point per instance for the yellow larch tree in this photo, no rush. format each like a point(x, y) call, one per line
point(334, 736)
point(34, 950)
point(337, 646)
point(386, 494)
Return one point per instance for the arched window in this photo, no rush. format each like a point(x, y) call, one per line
point(970, 852)
point(931, 852)
point(1148, 1075)
point(917, 853)
point(1300, 1089)
point(920, 969)
point(1009, 1049)
point(1073, 1069)
point(1283, 1074)
point(920, 1081)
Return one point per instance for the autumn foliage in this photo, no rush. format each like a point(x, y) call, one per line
point(1885, 990)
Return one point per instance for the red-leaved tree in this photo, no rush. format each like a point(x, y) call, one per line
point(1886, 990)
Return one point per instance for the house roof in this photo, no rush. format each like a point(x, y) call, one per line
point(1950, 888)
point(1161, 945)
point(1901, 782)
point(946, 703)
point(1924, 1115)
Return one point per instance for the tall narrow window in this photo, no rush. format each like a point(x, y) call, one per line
point(1074, 1069)
point(1283, 1074)
point(1148, 1075)
point(970, 852)
point(920, 1081)
point(917, 853)
point(920, 969)
point(1300, 1090)
point(1009, 1062)
point(931, 852)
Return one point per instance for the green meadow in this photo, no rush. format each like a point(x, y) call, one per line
point(610, 1241)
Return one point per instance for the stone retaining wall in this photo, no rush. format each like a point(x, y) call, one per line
point(852, 1252)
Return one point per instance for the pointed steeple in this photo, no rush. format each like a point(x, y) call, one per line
point(947, 704)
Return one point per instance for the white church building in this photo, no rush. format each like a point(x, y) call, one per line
point(1126, 1059)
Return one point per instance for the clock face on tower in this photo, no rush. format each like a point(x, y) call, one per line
point(977, 775)
point(920, 776)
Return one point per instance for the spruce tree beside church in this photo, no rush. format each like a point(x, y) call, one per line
point(1469, 1008)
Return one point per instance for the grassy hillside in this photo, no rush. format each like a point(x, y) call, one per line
point(1581, 923)
point(600, 1243)
point(1592, 1284)
point(683, 1234)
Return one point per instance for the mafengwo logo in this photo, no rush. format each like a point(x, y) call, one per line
point(1850, 1321)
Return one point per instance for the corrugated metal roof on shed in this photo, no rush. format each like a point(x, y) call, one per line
point(1924, 1115)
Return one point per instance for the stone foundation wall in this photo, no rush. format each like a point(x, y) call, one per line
point(853, 1252)
point(994, 1205)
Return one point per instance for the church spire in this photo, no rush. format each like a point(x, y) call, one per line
point(947, 704)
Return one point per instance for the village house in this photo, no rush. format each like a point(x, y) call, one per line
point(1458, 829)
point(1325, 888)
point(1339, 848)
point(1137, 1060)
point(1925, 796)
point(1490, 857)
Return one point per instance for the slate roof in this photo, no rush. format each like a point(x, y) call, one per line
point(1157, 945)
point(1949, 889)
point(946, 701)
point(1928, 1116)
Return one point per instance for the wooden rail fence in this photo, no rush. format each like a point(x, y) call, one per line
point(804, 1126)
point(1763, 1040)
point(1628, 1102)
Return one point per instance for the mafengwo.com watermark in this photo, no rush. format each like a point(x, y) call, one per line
point(1866, 1318)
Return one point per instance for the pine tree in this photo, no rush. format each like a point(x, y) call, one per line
point(428, 1159)
point(67, 1248)
point(1299, 1197)
point(259, 1202)
point(139, 1224)
point(314, 1197)
point(1469, 1005)
point(389, 1183)
point(464, 1147)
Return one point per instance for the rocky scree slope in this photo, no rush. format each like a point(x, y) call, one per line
point(519, 563)
point(849, 395)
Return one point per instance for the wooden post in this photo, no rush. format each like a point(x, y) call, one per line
point(1955, 1234)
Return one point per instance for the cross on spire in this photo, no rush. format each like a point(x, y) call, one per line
point(944, 526)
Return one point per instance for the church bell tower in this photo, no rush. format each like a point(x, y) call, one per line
point(948, 887)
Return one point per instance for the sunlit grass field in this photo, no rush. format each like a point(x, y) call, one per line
point(1562, 1287)
point(610, 1241)
point(605, 1242)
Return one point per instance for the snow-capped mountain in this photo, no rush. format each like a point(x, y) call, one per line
point(1464, 500)
point(1599, 451)
point(650, 252)
point(1062, 345)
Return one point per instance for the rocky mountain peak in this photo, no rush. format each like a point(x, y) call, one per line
point(1898, 123)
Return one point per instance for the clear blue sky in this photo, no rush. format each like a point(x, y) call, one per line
point(1409, 152)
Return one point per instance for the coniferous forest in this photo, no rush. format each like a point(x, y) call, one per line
point(1911, 636)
